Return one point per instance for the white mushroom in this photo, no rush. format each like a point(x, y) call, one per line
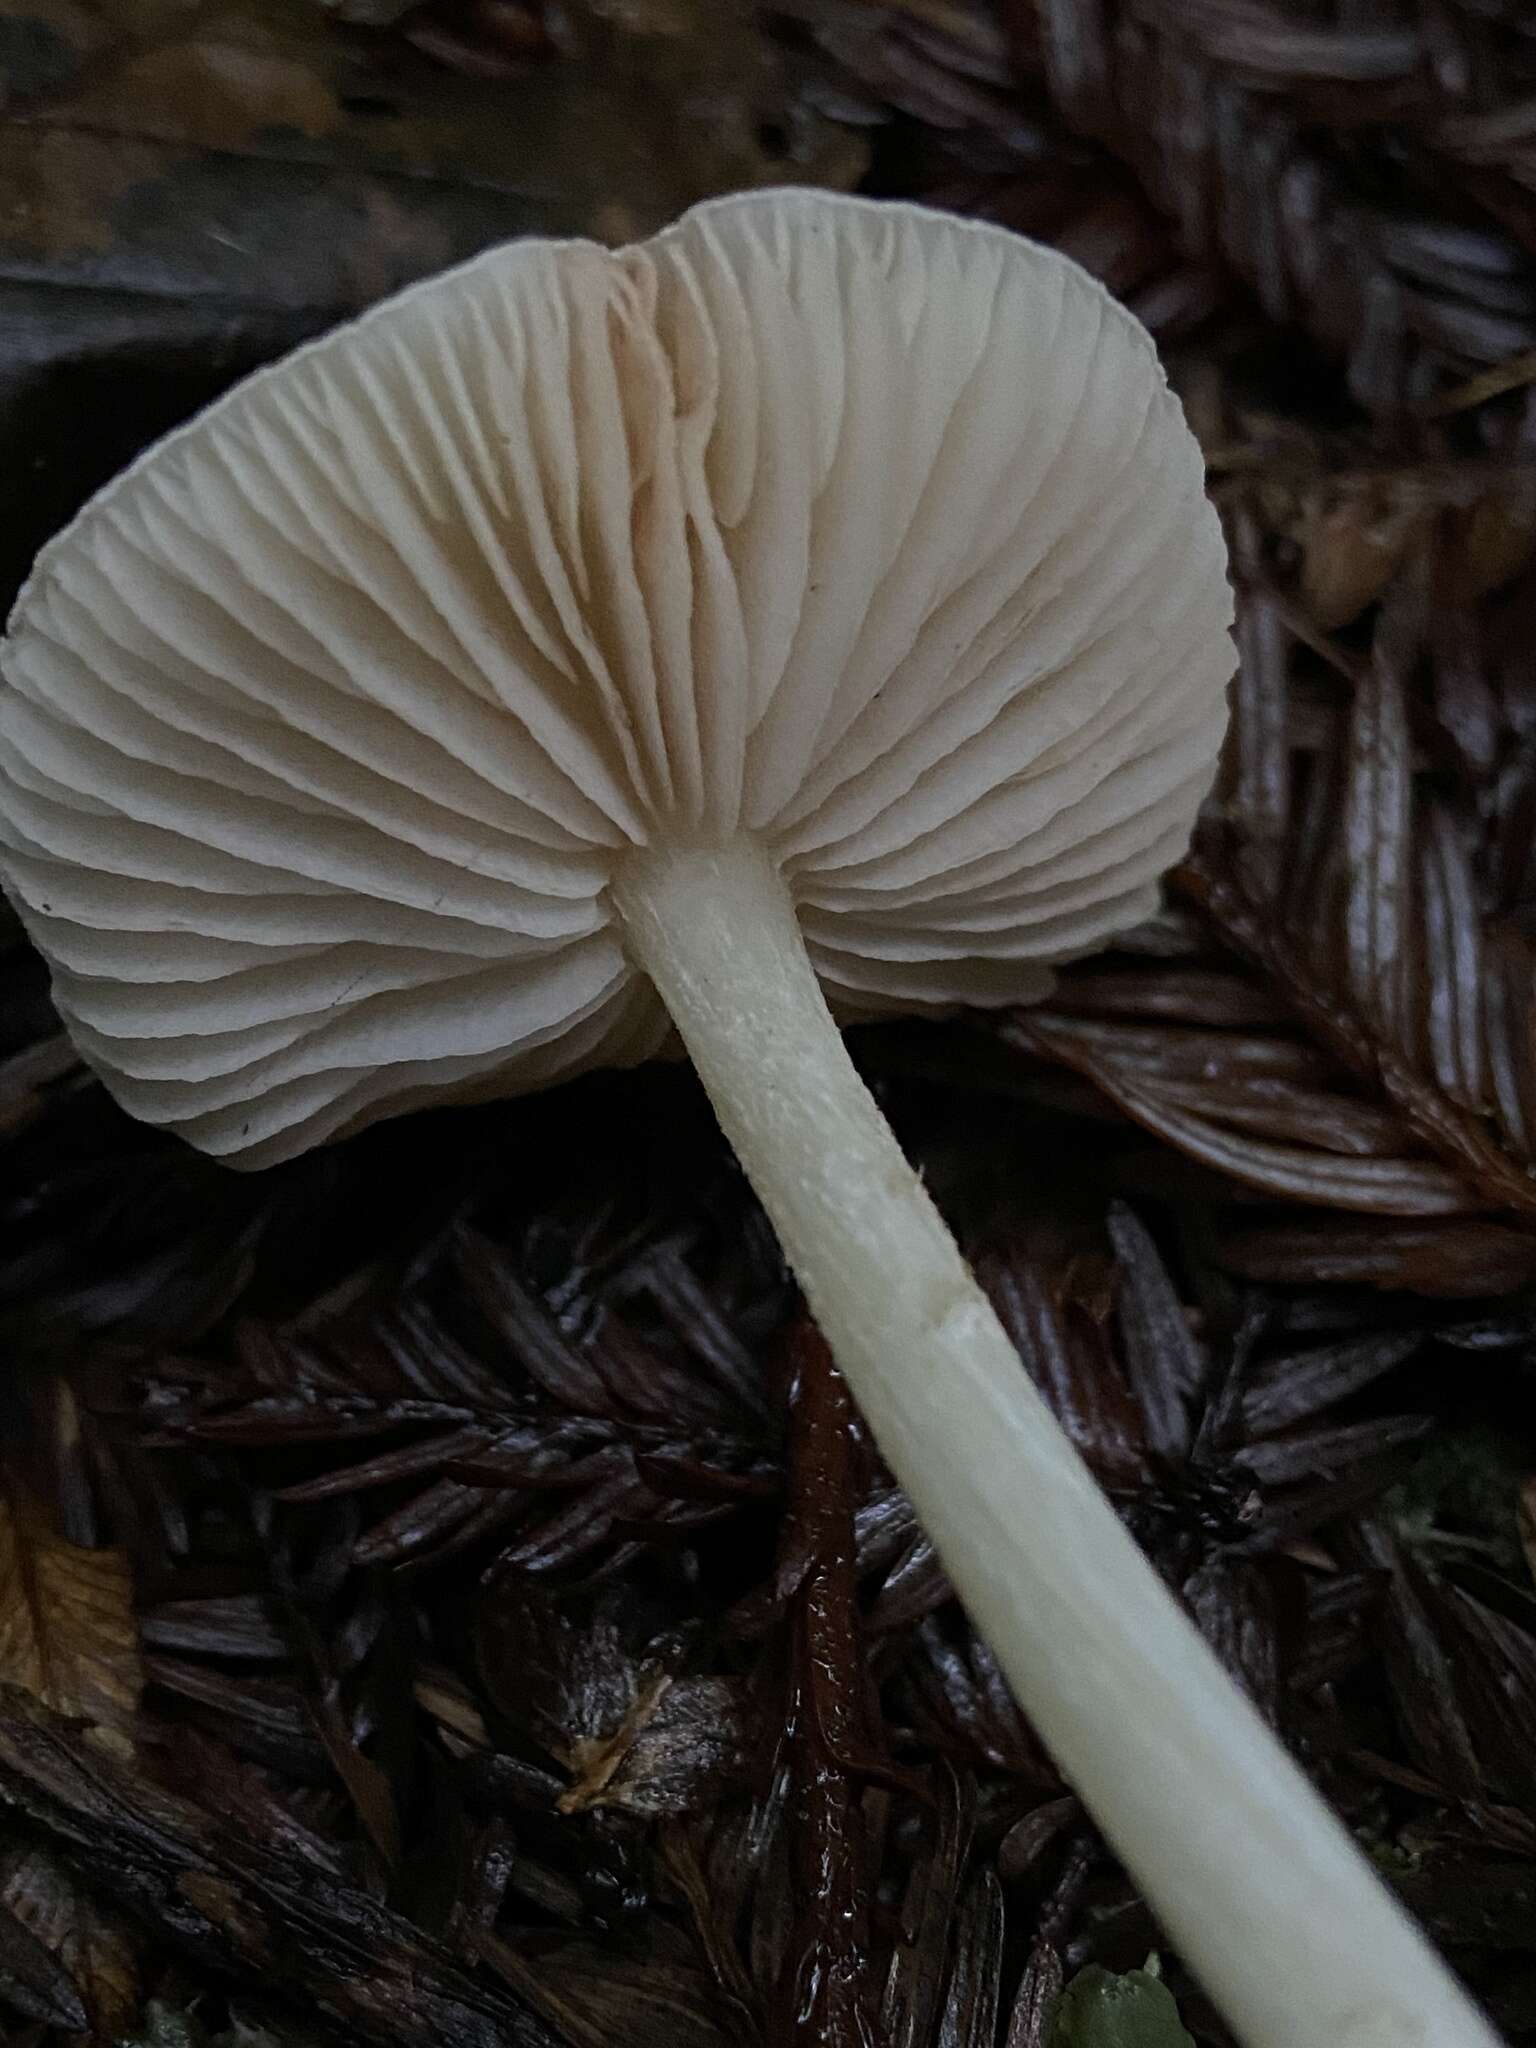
point(819, 600)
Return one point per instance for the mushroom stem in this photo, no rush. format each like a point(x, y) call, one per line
point(1262, 1890)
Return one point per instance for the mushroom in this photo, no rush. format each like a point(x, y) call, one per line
point(815, 605)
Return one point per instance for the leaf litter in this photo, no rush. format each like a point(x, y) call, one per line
point(444, 1592)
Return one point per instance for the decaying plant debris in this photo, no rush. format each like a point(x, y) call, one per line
point(439, 1578)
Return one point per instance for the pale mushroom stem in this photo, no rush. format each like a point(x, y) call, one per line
point(1264, 1893)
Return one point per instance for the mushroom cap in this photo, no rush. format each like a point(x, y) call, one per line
point(866, 530)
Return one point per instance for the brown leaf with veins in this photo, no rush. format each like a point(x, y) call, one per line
point(66, 1623)
point(67, 1635)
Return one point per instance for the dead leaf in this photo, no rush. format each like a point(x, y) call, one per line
point(67, 1635)
point(66, 1623)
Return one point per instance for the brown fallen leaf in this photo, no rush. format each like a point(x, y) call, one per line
point(66, 1623)
point(67, 1636)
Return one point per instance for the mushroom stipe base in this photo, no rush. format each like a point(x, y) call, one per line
point(1187, 1781)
